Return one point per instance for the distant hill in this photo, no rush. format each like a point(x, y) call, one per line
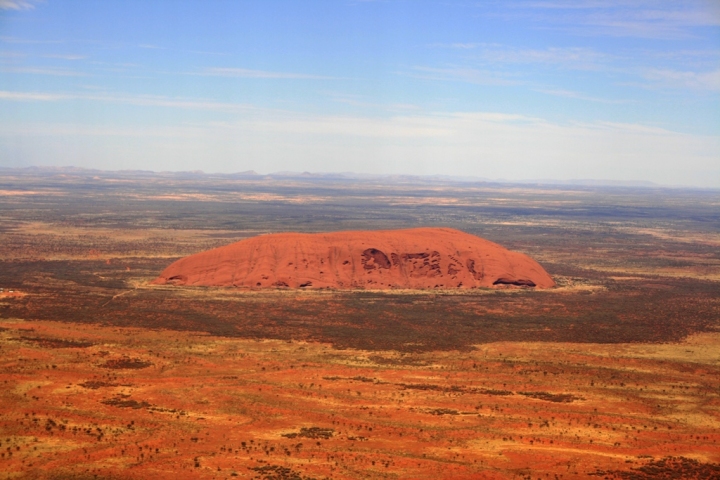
point(335, 176)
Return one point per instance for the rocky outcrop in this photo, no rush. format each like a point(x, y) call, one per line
point(419, 258)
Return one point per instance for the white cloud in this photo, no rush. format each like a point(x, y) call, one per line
point(568, 57)
point(622, 18)
point(497, 66)
point(506, 53)
point(464, 74)
point(139, 100)
point(21, 41)
point(29, 96)
point(66, 56)
point(16, 5)
point(580, 96)
point(678, 79)
point(56, 72)
point(363, 102)
point(465, 46)
point(484, 144)
point(248, 73)
point(169, 102)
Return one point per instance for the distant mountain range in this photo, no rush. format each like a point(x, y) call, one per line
point(340, 176)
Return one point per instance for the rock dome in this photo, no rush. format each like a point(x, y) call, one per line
point(418, 258)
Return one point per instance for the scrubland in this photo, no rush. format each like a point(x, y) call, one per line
point(613, 374)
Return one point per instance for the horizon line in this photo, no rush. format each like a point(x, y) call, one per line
point(350, 175)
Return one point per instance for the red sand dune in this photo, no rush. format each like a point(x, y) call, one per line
point(419, 258)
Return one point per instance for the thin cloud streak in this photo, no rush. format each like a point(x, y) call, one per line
point(359, 101)
point(248, 73)
point(642, 19)
point(56, 72)
point(27, 96)
point(7, 39)
point(569, 57)
point(156, 101)
point(138, 100)
point(709, 81)
point(463, 74)
point(81, 130)
point(16, 5)
point(580, 96)
point(65, 57)
point(498, 62)
point(578, 57)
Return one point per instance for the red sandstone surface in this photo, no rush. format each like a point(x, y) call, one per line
point(419, 258)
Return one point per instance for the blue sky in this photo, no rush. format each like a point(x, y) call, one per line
point(535, 89)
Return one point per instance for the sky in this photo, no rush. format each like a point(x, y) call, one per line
point(624, 90)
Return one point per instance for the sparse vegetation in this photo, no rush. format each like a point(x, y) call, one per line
point(606, 375)
point(667, 468)
point(124, 402)
point(311, 432)
point(126, 363)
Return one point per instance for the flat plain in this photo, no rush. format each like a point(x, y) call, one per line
point(613, 374)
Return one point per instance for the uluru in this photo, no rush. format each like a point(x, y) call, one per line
point(418, 258)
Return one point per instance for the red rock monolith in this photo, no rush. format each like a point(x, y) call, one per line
point(418, 258)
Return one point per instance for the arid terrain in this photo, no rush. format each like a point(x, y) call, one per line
point(614, 373)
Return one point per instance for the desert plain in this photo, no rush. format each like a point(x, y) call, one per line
point(614, 373)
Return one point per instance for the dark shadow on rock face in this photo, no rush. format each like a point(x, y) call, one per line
point(373, 258)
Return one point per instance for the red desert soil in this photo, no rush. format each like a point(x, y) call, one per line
point(418, 258)
point(98, 402)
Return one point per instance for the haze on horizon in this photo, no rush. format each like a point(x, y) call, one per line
point(526, 89)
